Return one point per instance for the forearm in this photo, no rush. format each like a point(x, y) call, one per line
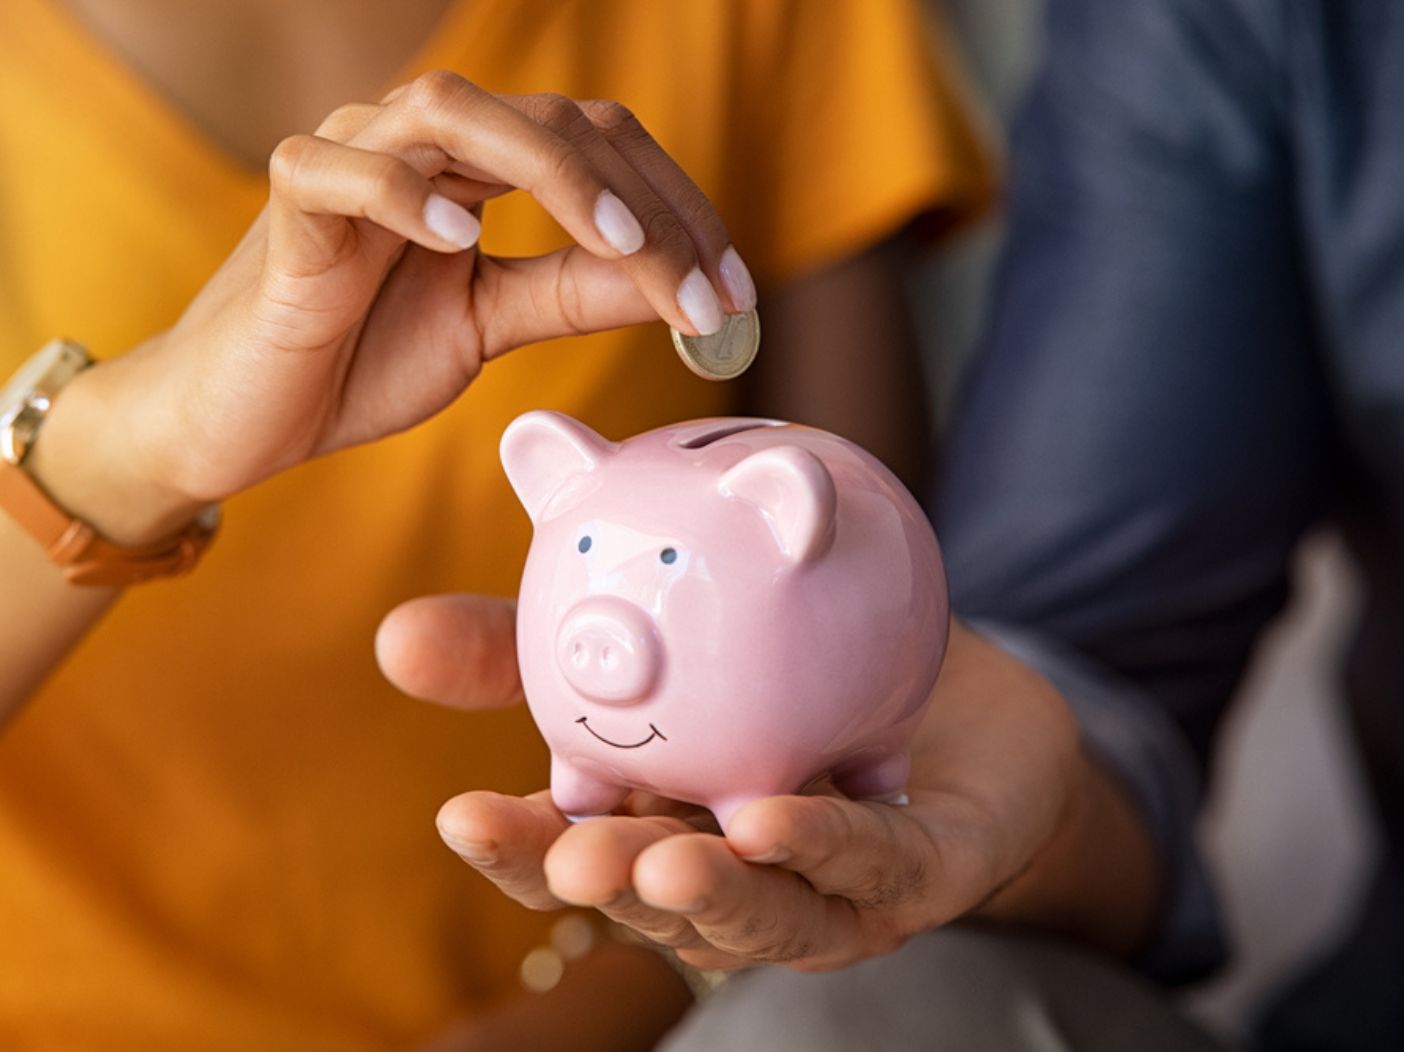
point(42, 618)
point(84, 460)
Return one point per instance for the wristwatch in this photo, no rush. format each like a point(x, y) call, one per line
point(70, 543)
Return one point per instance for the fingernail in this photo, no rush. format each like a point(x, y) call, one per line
point(473, 852)
point(451, 221)
point(737, 279)
point(699, 302)
point(617, 224)
point(769, 858)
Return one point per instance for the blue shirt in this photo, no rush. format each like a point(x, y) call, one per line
point(1195, 354)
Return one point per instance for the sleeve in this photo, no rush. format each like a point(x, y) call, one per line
point(861, 123)
point(1145, 436)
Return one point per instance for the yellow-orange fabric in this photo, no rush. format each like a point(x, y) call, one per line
point(216, 821)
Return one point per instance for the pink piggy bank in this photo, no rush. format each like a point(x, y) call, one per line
point(721, 610)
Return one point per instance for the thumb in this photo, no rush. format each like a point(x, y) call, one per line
point(456, 650)
point(564, 293)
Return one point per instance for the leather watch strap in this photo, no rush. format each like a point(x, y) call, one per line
point(71, 543)
point(87, 558)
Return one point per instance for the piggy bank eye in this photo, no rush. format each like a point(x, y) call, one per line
point(584, 545)
point(668, 556)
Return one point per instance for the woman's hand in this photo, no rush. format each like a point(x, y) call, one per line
point(357, 304)
point(1007, 819)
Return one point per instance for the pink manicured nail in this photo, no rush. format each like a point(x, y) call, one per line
point(737, 279)
point(699, 302)
point(451, 221)
point(617, 224)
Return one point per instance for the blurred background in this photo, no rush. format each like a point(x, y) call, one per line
point(1287, 832)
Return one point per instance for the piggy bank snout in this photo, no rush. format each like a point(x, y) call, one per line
point(609, 651)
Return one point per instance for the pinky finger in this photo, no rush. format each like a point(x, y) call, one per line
point(318, 184)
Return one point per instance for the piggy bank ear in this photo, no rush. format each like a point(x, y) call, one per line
point(795, 493)
point(543, 451)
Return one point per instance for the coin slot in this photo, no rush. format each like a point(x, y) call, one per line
point(706, 438)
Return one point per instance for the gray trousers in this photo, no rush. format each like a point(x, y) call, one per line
point(961, 988)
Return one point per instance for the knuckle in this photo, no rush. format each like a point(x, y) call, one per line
point(287, 162)
point(880, 889)
point(434, 89)
point(388, 178)
point(556, 111)
point(881, 897)
point(762, 937)
point(791, 947)
point(394, 93)
point(561, 163)
point(696, 213)
point(664, 234)
point(344, 120)
point(611, 117)
point(570, 302)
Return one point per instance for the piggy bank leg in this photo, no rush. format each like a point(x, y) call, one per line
point(579, 795)
point(882, 778)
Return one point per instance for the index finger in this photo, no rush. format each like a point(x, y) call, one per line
point(442, 123)
point(666, 178)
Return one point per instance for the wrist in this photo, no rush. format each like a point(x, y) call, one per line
point(90, 458)
point(1096, 878)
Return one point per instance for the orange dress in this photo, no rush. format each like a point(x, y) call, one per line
point(216, 820)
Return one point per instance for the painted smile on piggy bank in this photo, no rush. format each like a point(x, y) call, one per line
point(656, 733)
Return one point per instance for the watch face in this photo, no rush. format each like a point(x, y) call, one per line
point(25, 398)
point(23, 382)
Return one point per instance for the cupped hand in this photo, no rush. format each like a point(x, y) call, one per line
point(358, 304)
point(813, 880)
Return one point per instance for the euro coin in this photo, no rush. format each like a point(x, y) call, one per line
point(727, 353)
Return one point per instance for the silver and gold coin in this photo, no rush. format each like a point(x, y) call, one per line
point(725, 354)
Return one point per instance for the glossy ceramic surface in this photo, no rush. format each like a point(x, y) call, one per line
point(721, 610)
